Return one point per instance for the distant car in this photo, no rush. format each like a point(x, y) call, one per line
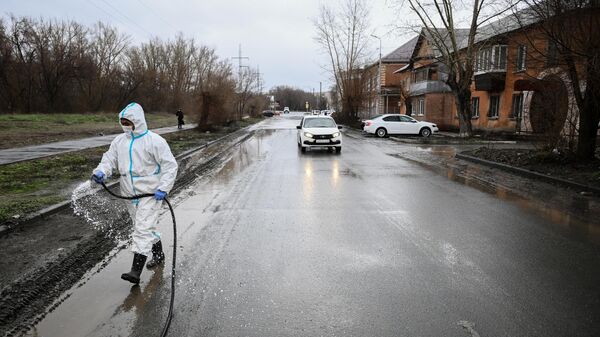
point(316, 112)
point(319, 131)
point(286, 110)
point(387, 124)
point(268, 113)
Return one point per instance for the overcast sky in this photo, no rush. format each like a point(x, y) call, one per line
point(277, 35)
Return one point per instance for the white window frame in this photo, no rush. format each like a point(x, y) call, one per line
point(474, 112)
point(492, 58)
point(421, 102)
point(494, 114)
point(518, 99)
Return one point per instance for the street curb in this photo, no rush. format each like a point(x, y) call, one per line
point(436, 139)
point(529, 174)
point(5, 229)
point(452, 141)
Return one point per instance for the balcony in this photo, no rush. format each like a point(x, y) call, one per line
point(490, 81)
point(427, 87)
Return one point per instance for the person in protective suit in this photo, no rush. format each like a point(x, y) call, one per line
point(145, 165)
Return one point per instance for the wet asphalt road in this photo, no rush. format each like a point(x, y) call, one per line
point(279, 243)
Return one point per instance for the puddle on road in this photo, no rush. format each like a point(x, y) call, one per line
point(576, 222)
point(102, 304)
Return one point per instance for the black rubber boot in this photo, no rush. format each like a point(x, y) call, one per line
point(158, 257)
point(136, 269)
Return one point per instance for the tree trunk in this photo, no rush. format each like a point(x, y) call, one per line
point(589, 116)
point(462, 99)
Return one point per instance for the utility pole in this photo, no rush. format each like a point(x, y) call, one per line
point(240, 66)
point(258, 73)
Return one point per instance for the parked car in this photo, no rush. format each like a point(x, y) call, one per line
point(319, 131)
point(286, 110)
point(384, 125)
point(268, 113)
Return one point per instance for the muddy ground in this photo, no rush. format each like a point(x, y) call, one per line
point(42, 259)
point(557, 164)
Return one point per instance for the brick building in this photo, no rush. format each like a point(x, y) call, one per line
point(383, 84)
point(518, 84)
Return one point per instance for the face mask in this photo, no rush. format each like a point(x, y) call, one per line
point(127, 129)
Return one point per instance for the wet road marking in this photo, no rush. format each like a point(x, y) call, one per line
point(469, 326)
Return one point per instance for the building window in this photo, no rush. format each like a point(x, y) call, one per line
point(551, 54)
point(521, 57)
point(418, 107)
point(494, 106)
point(475, 107)
point(421, 75)
point(517, 106)
point(491, 59)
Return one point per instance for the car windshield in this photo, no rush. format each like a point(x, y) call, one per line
point(319, 123)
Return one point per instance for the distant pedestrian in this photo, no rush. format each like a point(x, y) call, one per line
point(180, 121)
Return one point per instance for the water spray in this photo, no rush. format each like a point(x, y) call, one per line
point(170, 315)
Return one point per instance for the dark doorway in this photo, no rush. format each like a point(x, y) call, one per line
point(549, 106)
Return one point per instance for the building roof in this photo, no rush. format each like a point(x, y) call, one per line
point(402, 54)
point(507, 24)
point(461, 35)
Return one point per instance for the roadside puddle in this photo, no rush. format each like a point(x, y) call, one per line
point(121, 308)
point(575, 219)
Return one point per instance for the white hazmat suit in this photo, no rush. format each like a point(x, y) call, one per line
point(145, 164)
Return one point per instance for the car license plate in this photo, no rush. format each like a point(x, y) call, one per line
point(322, 141)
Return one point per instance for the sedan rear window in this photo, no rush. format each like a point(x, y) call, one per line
point(319, 123)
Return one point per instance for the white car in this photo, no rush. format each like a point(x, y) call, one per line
point(384, 125)
point(319, 131)
point(286, 110)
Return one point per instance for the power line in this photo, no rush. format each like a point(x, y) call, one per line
point(107, 13)
point(158, 16)
point(130, 20)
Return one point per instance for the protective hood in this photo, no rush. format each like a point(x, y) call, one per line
point(135, 114)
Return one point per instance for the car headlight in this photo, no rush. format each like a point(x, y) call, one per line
point(308, 135)
point(337, 134)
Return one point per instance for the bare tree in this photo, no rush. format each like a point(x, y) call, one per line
point(247, 88)
point(293, 98)
point(59, 47)
point(344, 35)
point(52, 66)
point(99, 80)
point(454, 47)
point(214, 88)
point(572, 32)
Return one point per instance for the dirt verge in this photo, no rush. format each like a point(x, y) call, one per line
point(45, 258)
point(557, 164)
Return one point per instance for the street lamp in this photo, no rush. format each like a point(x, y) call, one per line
point(378, 72)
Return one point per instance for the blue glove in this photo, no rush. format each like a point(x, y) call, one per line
point(99, 177)
point(160, 195)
